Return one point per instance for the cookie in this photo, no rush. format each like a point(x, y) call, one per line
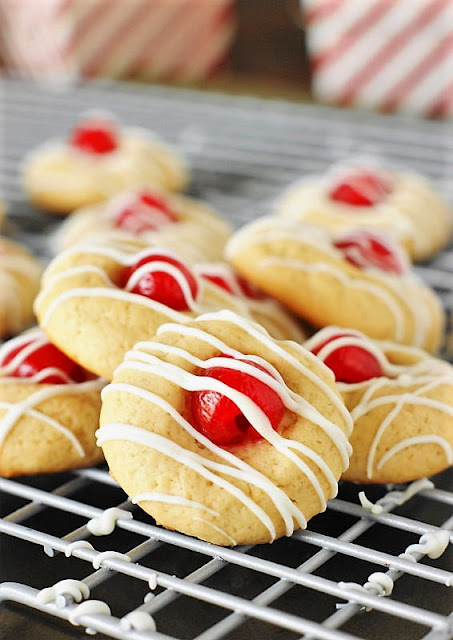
point(401, 401)
point(403, 205)
point(356, 279)
point(185, 225)
point(258, 306)
point(49, 409)
point(98, 299)
point(20, 273)
point(97, 160)
point(223, 433)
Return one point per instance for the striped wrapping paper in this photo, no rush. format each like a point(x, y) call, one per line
point(393, 55)
point(180, 40)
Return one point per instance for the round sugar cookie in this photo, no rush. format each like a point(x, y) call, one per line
point(98, 299)
point(185, 225)
point(401, 401)
point(99, 159)
point(403, 205)
point(358, 279)
point(49, 409)
point(20, 273)
point(223, 433)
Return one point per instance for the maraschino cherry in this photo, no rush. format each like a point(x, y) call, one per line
point(364, 249)
point(158, 281)
point(146, 211)
point(360, 188)
point(220, 420)
point(95, 136)
point(350, 363)
point(44, 356)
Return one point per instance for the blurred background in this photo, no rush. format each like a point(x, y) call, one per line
point(388, 55)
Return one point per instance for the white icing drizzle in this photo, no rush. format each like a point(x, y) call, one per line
point(152, 582)
point(75, 588)
point(106, 555)
point(146, 362)
point(139, 621)
point(411, 442)
point(77, 544)
point(231, 540)
point(88, 608)
point(104, 524)
point(16, 410)
point(152, 496)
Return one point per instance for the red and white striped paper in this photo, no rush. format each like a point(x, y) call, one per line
point(181, 40)
point(393, 55)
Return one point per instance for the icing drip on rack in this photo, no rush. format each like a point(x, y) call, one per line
point(108, 555)
point(75, 588)
point(105, 524)
point(139, 621)
point(395, 498)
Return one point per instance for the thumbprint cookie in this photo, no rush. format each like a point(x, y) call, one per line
point(401, 401)
point(49, 408)
point(356, 279)
point(98, 159)
point(223, 433)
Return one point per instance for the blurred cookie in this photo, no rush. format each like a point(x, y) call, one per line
point(403, 205)
point(20, 273)
point(97, 160)
point(357, 279)
point(223, 433)
point(49, 409)
point(401, 401)
point(185, 225)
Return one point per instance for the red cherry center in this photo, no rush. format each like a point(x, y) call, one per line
point(46, 356)
point(95, 136)
point(360, 189)
point(220, 419)
point(146, 212)
point(364, 249)
point(159, 283)
point(350, 363)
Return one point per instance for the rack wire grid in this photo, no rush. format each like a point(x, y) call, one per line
point(242, 152)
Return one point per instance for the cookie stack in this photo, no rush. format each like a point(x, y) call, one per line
point(220, 418)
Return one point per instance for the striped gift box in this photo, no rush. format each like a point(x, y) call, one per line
point(392, 55)
point(180, 40)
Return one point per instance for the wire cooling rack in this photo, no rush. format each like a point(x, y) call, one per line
point(320, 583)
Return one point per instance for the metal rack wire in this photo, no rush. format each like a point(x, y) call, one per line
point(243, 151)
